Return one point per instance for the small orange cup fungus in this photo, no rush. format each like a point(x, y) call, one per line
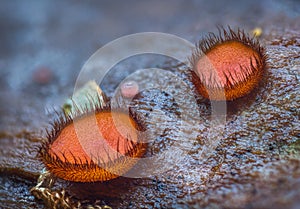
point(227, 66)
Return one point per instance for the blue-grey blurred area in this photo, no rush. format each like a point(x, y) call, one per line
point(63, 34)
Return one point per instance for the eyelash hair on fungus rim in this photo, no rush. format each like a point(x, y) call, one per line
point(227, 66)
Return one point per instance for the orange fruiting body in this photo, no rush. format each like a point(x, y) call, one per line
point(92, 147)
point(227, 66)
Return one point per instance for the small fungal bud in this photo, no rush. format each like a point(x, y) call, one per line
point(227, 66)
point(129, 89)
point(257, 32)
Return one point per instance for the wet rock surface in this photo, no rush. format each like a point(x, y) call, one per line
point(253, 160)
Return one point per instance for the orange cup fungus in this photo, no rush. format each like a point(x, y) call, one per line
point(92, 147)
point(227, 66)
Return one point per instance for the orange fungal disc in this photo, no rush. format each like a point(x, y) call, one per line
point(227, 66)
point(93, 147)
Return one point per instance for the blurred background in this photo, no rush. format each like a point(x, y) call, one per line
point(62, 35)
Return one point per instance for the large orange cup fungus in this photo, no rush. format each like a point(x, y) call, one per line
point(92, 147)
